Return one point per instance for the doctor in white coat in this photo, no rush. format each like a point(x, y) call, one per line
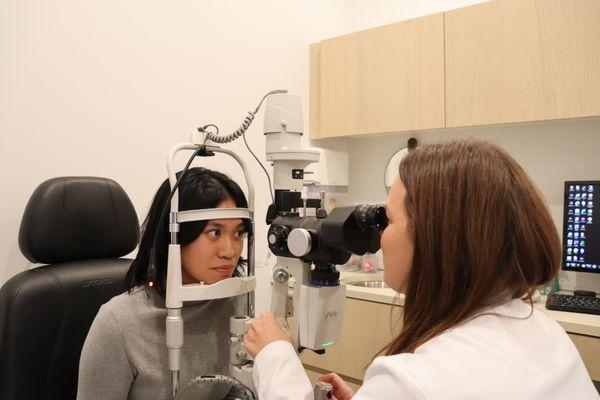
point(469, 240)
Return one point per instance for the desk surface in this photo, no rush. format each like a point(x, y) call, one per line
point(582, 324)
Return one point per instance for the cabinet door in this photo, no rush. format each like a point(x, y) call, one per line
point(522, 60)
point(340, 86)
point(366, 329)
point(386, 79)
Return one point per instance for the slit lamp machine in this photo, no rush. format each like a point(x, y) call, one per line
point(307, 247)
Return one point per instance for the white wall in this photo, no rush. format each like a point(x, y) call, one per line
point(363, 14)
point(105, 88)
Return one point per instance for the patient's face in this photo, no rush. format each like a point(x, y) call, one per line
point(397, 243)
point(214, 254)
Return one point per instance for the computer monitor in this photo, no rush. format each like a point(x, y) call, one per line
point(581, 227)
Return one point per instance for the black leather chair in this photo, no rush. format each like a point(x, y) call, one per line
point(80, 226)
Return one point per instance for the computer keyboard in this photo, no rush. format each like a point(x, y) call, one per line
point(580, 304)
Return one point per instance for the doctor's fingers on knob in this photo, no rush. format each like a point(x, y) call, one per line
point(341, 390)
point(267, 326)
point(249, 342)
point(264, 330)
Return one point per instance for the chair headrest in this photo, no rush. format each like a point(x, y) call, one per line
point(78, 218)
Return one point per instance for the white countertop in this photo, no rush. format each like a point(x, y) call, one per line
point(386, 296)
point(583, 324)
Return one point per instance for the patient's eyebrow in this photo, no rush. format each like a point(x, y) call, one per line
point(222, 225)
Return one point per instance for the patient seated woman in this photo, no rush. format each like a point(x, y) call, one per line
point(125, 353)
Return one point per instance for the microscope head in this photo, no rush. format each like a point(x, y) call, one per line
point(329, 240)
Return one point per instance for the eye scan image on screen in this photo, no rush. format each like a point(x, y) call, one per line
point(581, 227)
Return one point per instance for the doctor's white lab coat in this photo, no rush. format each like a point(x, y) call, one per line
point(509, 355)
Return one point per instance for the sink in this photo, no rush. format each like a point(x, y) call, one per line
point(370, 284)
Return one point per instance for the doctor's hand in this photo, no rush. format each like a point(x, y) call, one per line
point(341, 390)
point(264, 330)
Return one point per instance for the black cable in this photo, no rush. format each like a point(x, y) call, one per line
point(262, 166)
point(151, 274)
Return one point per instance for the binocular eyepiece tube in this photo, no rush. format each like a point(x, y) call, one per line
point(370, 217)
point(330, 240)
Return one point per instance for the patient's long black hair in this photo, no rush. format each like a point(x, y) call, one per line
point(200, 188)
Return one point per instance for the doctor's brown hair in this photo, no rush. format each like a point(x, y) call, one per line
point(482, 234)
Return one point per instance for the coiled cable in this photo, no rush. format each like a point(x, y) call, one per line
point(215, 137)
point(241, 131)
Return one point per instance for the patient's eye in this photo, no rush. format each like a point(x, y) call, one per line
point(213, 233)
point(240, 234)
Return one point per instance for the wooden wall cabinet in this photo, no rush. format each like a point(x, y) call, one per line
point(522, 60)
point(498, 62)
point(385, 79)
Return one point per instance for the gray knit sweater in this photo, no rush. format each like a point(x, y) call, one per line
point(125, 353)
